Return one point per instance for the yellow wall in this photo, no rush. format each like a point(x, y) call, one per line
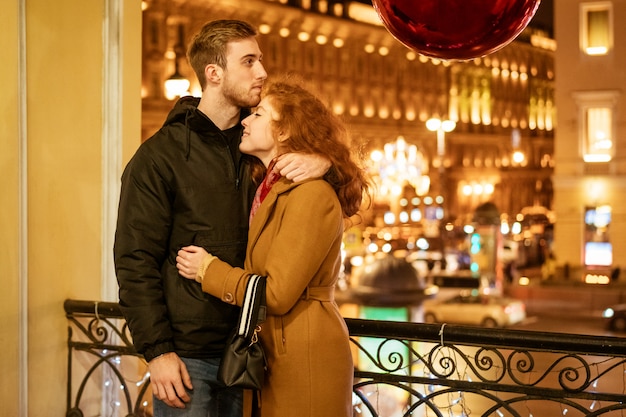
point(9, 147)
point(64, 52)
point(64, 84)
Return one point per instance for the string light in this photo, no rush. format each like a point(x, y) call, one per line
point(455, 399)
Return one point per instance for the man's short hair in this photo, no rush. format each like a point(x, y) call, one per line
point(209, 45)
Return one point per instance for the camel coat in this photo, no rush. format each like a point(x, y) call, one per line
point(295, 240)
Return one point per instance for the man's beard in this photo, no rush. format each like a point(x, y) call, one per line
point(240, 97)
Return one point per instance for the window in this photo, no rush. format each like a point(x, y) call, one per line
point(598, 248)
point(596, 27)
point(596, 124)
point(598, 134)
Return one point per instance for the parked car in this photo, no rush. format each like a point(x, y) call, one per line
point(488, 310)
point(615, 317)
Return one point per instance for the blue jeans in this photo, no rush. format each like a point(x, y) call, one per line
point(209, 397)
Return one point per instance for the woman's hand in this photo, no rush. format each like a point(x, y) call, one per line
point(189, 260)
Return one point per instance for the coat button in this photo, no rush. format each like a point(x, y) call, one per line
point(228, 297)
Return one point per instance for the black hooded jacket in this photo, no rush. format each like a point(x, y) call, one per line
point(185, 185)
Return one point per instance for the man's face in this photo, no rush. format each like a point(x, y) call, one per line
point(245, 74)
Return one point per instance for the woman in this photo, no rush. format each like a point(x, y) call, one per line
point(295, 239)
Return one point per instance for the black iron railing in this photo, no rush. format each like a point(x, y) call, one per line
point(401, 369)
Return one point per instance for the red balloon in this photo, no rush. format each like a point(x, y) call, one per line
point(455, 29)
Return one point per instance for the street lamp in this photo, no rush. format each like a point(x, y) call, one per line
point(441, 127)
point(176, 85)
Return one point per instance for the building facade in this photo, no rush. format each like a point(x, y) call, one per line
point(590, 144)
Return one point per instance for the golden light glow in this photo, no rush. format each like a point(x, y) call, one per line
point(394, 167)
point(363, 13)
point(321, 39)
point(597, 279)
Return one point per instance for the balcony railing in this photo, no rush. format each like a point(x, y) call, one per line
point(401, 369)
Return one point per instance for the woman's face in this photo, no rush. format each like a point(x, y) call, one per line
point(258, 136)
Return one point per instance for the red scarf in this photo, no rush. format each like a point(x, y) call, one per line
point(271, 177)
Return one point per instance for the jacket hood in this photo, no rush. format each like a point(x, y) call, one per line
point(186, 111)
point(183, 106)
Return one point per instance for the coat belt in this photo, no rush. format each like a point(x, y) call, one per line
point(319, 293)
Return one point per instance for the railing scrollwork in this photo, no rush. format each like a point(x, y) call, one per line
point(404, 369)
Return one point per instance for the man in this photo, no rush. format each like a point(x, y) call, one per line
point(189, 184)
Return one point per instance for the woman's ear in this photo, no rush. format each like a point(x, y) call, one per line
point(282, 136)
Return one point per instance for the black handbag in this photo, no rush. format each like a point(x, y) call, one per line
point(243, 362)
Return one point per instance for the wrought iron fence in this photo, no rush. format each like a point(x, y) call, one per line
point(401, 369)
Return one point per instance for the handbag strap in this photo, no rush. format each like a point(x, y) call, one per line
point(253, 307)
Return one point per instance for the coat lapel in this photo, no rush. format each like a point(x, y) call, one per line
point(265, 209)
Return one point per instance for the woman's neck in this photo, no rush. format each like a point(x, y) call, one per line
point(269, 160)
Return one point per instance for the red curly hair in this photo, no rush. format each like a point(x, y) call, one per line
point(314, 129)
